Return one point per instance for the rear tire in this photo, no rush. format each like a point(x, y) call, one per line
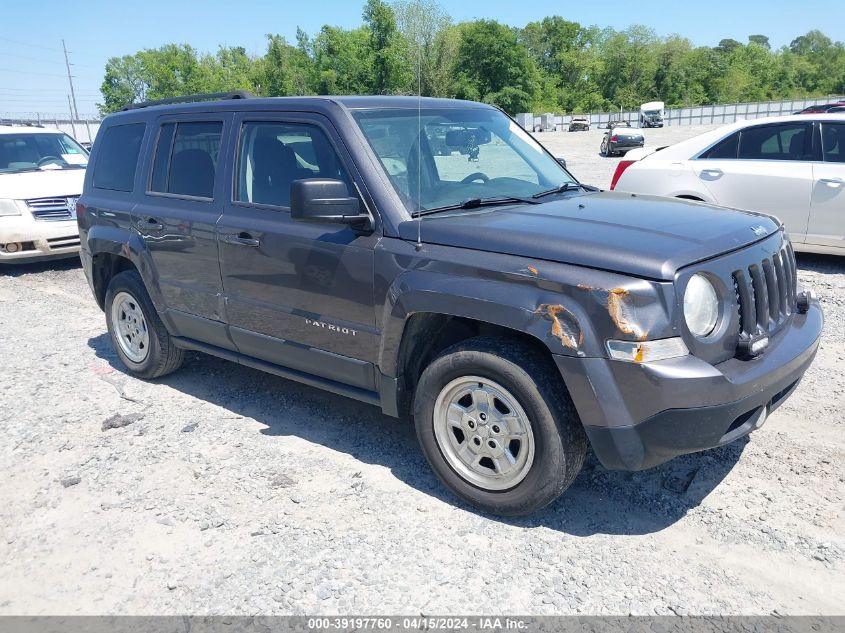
point(137, 333)
point(497, 427)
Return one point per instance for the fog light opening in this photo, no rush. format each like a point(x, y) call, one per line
point(11, 247)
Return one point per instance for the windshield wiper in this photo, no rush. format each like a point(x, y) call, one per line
point(567, 186)
point(474, 203)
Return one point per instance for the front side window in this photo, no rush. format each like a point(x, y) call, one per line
point(186, 158)
point(272, 155)
point(775, 142)
point(833, 142)
point(442, 157)
point(117, 157)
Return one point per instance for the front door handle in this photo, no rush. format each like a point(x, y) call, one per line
point(833, 182)
point(241, 239)
point(711, 173)
point(150, 224)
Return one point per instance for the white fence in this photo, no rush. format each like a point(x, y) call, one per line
point(83, 130)
point(703, 115)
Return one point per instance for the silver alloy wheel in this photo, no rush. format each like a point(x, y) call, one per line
point(130, 327)
point(483, 433)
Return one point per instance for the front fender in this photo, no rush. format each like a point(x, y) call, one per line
point(571, 310)
point(559, 323)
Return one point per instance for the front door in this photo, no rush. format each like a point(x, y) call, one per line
point(827, 211)
point(772, 173)
point(177, 217)
point(297, 294)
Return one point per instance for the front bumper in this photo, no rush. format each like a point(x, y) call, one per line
point(36, 240)
point(641, 415)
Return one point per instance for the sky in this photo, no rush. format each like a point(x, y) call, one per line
point(33, 76)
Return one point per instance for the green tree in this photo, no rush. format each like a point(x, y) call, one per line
point(493, 66)
point(431, 44)
point(389, 50)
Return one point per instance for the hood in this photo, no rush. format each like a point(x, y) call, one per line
point(645, 236)
point(49, 183)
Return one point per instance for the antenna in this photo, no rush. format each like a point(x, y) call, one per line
point(419, 126)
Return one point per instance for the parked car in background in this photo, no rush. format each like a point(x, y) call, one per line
point(620, 138)
point(514, 312)
point(652, 113)
point(41, 176)
point(821, 109)
point(837, 110)
point(579, 123)
point(792, 167)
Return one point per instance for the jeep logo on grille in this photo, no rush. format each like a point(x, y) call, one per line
point(759, 231)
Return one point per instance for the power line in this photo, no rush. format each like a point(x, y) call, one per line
point(32, 72)
point(46, 48)
point(42, 60)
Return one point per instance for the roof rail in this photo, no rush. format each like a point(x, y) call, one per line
point(209, 96)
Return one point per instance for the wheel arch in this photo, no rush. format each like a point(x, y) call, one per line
point(114, 250)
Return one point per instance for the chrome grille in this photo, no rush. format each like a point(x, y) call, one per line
point(765, 293)
point(52, 208)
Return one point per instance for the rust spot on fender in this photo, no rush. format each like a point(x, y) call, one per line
point(622, 314)
point(564, 324)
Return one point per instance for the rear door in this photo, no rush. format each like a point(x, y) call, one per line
point(177, 217)
point(298, 294)
point(764, 168)
point(827, 211)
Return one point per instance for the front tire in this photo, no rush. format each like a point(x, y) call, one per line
point(137, 333)
point(497, 427)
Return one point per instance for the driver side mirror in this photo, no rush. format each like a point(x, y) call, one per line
point(326, 200)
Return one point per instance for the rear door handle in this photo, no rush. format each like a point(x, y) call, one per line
point(150, 224)
point(241, 239)
point(711, 173)
point(832, 182)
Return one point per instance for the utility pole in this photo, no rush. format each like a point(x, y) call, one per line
point(72, 123)
point(74, 110)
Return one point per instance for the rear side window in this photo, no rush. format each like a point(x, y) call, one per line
point(833, 142)
point(117, 157)
point(272, 155)
point(726, 148)
point(186, 158)
point(775, 142)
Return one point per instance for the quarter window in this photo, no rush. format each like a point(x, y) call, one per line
point(117, 157)
point(186, 158)
point(272, 155)
point(833, 142)
point(775, 142)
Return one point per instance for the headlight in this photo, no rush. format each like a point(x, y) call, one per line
point(701, 306)
point(9, 207)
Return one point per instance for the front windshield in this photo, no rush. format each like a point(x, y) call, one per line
point(40, 151)
point(445, 156)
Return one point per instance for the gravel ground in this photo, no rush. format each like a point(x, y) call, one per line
point(222, 490)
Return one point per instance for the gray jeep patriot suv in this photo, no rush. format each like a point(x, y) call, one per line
point(429, 257)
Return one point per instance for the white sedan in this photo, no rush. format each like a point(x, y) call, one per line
point(792, 167)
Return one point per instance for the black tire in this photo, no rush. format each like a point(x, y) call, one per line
point(560, 441)
point(163, 357)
